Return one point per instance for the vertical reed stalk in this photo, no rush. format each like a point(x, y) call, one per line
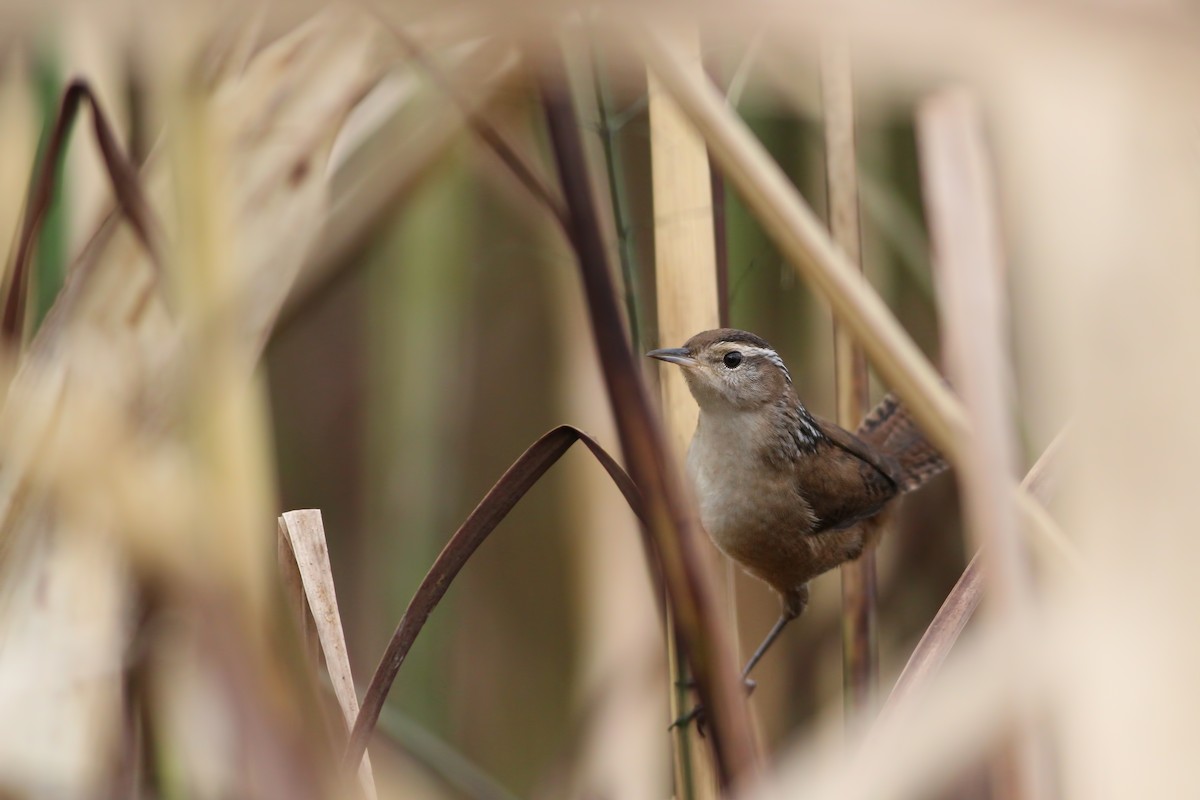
point(860, 661)
point(686, 277)
point(959, 194)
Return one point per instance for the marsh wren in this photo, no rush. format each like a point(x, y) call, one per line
point(785, 494)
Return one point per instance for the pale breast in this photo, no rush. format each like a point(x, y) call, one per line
point(745, 504)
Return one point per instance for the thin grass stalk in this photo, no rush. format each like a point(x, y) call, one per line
point(614, 169)
point(699, 617)
point(685, 270)
point(959, 195)
point(860, 649)
point(809, 249)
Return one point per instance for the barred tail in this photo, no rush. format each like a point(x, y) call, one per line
point(892, 429)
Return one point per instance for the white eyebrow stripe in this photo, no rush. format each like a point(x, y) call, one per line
point(770, 355)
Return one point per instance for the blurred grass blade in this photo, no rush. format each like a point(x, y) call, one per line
point(802, 238)
point(126, 187)
point(970, 273)
point(518, 166)
point(459, 772)
point(500, 499)
point(960, 604)
point(860, 657)
point(390, 164)
point(698, 614)
point(306, 535)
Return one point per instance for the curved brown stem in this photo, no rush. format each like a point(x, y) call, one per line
point(126, 187)
point(500, 499)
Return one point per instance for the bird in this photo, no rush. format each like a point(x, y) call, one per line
point(785, 494)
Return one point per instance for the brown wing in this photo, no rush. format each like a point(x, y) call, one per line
point(847, 480)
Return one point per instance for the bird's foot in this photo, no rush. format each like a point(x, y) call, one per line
point(698, 714)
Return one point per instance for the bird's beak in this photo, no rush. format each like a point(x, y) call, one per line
point(675, 355)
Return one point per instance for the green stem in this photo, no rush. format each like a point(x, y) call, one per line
point(620, 202)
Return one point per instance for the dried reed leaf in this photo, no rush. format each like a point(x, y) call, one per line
point(492, 509)
point(306, 535)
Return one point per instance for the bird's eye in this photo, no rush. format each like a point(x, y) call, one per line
point(732, 359)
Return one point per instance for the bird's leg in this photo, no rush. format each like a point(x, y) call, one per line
point(793, 604)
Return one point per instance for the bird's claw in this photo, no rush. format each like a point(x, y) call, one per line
point(697, 714)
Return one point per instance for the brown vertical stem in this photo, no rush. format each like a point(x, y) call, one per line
point(860, 661)
point(697, 614)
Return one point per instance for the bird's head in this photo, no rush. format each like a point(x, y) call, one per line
point(729, 369)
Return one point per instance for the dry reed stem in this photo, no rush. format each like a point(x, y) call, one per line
point(305, 534)
point(860, 667)
point(685, 271)
point(698, 615)
point(802, 238)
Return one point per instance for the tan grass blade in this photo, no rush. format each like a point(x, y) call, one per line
point(305, 533)
point(685, 270)
point(809, 249)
